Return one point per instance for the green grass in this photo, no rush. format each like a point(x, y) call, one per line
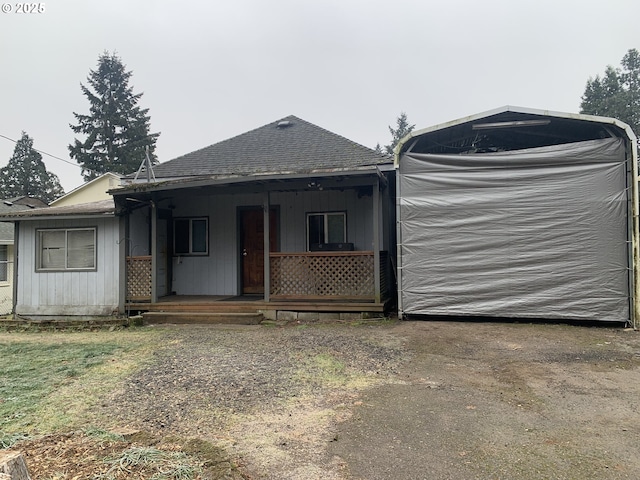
point(48, 380)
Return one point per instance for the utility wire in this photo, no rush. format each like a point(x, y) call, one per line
point(52, 156)
point(44, 153)
point(57, 158)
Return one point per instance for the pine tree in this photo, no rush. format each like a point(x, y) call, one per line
point(116, 129)
point(26, 174)
point(402, 129)
point(617, 93)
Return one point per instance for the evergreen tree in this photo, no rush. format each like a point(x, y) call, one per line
point(116, 129)
point(617, 93)
point(402, 129)
point(26, 174)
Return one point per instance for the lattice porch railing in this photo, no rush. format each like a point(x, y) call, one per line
point(324, 275)
point(139, 279)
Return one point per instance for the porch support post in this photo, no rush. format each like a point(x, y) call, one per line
point(376, 238)
point(123, 278)
point(154, 252)
point(266, 201)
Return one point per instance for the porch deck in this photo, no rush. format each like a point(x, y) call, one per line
point(246, 310)
point(250, 304)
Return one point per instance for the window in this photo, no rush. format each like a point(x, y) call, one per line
point(67, 249)
point(191, 236)
point(326, 228)
point(4, 270)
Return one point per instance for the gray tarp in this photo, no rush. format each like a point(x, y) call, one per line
point(537, 233)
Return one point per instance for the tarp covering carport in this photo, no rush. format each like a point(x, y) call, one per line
point(533, 233)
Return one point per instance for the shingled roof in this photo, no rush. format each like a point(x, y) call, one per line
point(99, 208)
point(288, 145)
point(13, 205)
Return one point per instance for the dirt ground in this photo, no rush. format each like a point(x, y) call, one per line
point(388, 400)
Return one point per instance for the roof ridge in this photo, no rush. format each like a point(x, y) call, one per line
point(282, 144)
point(337, 135)
point(275, 123)
point(226, 140)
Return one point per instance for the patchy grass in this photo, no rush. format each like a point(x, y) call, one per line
point(150, 462)
point(8, 439)
point(101, 455)
point(321, 369)
point(50, 381)
point(326, 370)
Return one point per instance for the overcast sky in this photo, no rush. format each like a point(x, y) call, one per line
point(213, 69)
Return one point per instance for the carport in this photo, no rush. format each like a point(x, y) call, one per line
point(519, 213)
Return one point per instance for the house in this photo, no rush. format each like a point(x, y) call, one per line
point(289, 217)
point(7, 249)
point(519, 213)
point(92, 191)
point(70, 254)
point(282, 219)
point(512, 213)
point(69, 261)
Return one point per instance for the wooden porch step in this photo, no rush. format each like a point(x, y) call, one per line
point(203, 317)
point(211, 307)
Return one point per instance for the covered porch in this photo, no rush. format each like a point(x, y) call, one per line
point(297, 275)
point(302, 287)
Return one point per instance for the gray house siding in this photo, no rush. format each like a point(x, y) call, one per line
point(70, 293)
point(6, 286)
point(217, 273)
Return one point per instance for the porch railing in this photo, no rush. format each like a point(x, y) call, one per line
point(139, 279)
point(295, 276)
point(323, 275)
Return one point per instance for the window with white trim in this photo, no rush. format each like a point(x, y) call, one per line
point(326, 227)
point(4, 263)
point(191, 236)
point(72, 249)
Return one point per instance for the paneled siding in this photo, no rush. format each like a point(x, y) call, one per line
point(217, 274)
point(6, 288)
point(69, 293)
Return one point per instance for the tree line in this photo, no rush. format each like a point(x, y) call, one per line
point(117, 134)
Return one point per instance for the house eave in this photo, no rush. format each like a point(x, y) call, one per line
point(104, 208)
point(260, 178)
point(16, 218)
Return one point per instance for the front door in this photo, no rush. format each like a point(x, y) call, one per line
point(252, 247)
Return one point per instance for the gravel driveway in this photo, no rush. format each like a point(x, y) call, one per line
point(411, 400)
